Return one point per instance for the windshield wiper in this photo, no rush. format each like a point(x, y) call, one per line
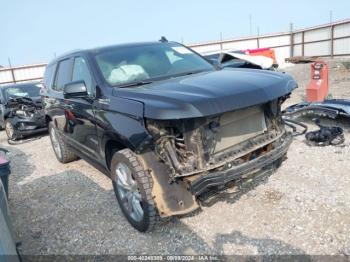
point(187, 73)
point(139, 83)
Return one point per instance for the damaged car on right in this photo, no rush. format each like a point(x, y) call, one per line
point(164, 124)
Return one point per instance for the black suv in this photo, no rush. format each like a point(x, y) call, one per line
point(164, 124)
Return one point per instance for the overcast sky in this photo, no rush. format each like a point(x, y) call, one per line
point(33, 31)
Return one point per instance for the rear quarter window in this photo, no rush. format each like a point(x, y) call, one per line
point(48, 76)
point(63, 74)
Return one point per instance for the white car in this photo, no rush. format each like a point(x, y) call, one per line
point(235, 58)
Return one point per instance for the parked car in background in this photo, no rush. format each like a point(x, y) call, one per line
point(21, 112)
point(164, 124)
point(238, 59)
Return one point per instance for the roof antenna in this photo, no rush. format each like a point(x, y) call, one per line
point(163, 39)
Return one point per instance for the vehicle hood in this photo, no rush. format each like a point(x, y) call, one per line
point(208, 93)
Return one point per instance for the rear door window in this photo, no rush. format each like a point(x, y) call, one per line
point(63, 75)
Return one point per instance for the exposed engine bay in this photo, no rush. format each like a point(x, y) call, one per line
point(25, 117)
point(193, 146)
point(209, 152)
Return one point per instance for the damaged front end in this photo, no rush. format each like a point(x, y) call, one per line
point(25, 117)
point(208, 153)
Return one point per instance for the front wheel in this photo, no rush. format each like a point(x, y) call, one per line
point(10, 130)
point(132, 186)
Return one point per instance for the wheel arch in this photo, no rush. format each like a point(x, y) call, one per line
point(48, 119)
point(111, 146)
point(115, 141)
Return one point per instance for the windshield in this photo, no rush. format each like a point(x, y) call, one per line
point(22, 91)
point(144, 63)
point(212, 56)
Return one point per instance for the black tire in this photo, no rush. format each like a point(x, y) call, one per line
point(62, 152)
point(144, 183)
point(10, 130)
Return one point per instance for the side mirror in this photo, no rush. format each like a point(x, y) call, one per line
point(76, 89)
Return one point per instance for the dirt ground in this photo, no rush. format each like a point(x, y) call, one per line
point(303, 208)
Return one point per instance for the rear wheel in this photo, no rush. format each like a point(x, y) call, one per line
point(62, 152)
point(132, 186)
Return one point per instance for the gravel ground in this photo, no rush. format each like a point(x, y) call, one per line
point(303, 208)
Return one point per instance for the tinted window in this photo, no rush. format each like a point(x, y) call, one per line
point(63, 75)
point(128, 64)
point(48, 75)
point(81, 72)
point(212, 56)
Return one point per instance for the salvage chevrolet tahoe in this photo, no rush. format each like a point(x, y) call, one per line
point(163, 123)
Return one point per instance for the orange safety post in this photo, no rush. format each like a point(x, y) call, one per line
point(317, 89)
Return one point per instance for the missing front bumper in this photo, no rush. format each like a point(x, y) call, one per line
point(221, 178)
point(28, 132)
point(28, 126)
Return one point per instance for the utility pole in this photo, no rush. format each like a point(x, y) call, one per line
point(250, 24)
point(12, 73)
point(291, 40)
point(221, 40)
point(330, 16)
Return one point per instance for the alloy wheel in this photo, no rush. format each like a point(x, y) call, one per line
point(129, 193)
point(55, 143)
point(9, 130)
